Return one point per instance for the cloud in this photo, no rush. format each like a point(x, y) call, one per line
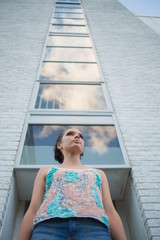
point(97, 137)
point(72, 97)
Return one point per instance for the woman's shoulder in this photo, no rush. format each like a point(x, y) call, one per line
point(44, 170)
point(101, 173)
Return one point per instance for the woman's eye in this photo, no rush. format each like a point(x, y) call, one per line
point(81, 136)
point(69, 133)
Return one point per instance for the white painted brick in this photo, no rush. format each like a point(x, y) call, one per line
point(147, 158)
point(151, 206)
point(144, 163)
point(153, 222)
point(6, 169)
point(151, 214)
point(6, 163)
point(149, 192)
point(5, 174)
point(3, 200)
point(154, 231)
point(131, 71)
point(147, 179)
point(151, 199)
point(21, 46)
point(148, 186)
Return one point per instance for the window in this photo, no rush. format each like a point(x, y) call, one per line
point(71, 97)
point(69, 54)
point(68, 41)
point(101, 145)
point(68, 15)
point(68, 71)
point(62, 21)
point(70, 91)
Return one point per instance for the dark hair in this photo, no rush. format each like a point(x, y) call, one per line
point(58, 155)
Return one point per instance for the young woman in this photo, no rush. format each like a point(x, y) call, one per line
point(71, 201)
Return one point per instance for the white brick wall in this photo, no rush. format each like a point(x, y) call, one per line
point(23, 29)
point(129, 54)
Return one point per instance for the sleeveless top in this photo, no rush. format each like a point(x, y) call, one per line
point(72, 193)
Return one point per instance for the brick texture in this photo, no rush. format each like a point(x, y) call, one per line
point(129, 55)
point(23, 28)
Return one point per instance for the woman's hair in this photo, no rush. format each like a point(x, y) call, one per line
point(58, 155)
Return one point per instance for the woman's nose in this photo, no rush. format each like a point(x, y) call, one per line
point(77, 136)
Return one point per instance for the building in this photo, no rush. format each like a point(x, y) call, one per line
point(119, 57)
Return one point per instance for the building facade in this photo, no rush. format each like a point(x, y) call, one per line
point(110, 65)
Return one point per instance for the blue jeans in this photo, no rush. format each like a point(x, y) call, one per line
point(74, 228)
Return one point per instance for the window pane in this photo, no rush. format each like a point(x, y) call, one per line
point(69, 54)
point(68, 41)
point(69, 72)
point(63, 21)
point(101, 145)
point(70, 97)
point(70, 10)
point(67, 29)
point(69, 15)
point(60, 5)
point(68, 1)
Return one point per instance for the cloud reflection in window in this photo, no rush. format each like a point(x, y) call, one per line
point(71, 97)
point(70, 72)
point(67, 29)
point(69, 54)
point(99, 138)
point(101, 144)
point(69, 41)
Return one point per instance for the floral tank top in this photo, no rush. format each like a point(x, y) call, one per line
point(72, 193)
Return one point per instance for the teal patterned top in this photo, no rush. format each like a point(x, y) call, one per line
point(72, 193)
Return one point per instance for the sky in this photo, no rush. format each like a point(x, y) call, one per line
point(143, 7)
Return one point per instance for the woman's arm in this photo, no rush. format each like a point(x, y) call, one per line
point(116, 227)
point(37, 198)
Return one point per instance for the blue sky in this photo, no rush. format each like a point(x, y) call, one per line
point(143, 7)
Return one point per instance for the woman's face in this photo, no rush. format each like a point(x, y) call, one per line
point(72, 141)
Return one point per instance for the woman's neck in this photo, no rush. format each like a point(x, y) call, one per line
point(71, 160)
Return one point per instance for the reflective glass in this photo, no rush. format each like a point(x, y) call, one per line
point(69, 15)
point(67, 29)
point(53, 71)
point(70, 10)
point(60, 5)
point(68, 41)
point(69, 54)
point(68, 1)
point(70, 97)
point(63, 21)
point(101, 145)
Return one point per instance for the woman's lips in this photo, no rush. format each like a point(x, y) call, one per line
point(76, 141)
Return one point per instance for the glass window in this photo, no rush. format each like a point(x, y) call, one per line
point(62, 5)
point(68, 29)
point(70, 97)
point(101, 145)
point(68, 1)
point(70, 10)
point(63, 21)
point(69, 15)
point(69, 54)
point(69, 41)
point(53, 71)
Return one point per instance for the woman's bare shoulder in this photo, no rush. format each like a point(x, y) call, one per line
point(43, 171)
point(101, 173)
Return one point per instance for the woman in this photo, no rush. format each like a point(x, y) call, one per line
point(71, 201)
